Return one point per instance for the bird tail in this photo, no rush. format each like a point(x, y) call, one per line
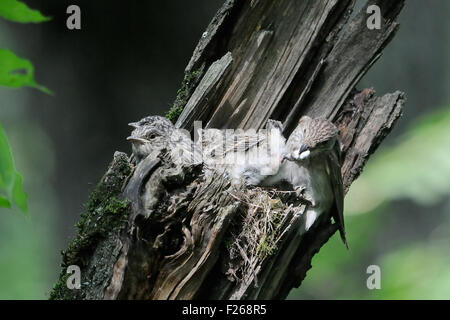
point(342, 233)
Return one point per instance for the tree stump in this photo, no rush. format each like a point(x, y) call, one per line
point(164, 231)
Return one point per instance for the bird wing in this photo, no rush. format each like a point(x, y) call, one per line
point(334, 165)
point(243, 142)
point(215, 142)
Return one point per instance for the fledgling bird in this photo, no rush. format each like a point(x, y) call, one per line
point(154, 133)
point(149, 133)
point(244, 157)
point(313, 168)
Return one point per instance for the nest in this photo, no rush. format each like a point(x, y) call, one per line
point(259, 230)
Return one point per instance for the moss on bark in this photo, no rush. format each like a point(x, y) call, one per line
point(183, 94)
point(98, 229)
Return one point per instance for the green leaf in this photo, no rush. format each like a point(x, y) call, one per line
point(16, 72)
point(11, 190)
point(4, 203)
point(6, 164)
point(16, 11)
point(19, 197)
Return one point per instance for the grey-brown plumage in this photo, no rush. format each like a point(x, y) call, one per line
point(245, 157)
point(313, 167)
point(311, 158)
point(149, 133)
point(154, 133)
point(311, 136)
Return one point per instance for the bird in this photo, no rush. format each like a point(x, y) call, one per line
point(154, 133)
point(312, 165)
point(310, 159)
point(245, 157)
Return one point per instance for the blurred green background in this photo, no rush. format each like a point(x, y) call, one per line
point(127, 62)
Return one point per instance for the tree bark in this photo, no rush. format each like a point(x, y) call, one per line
point(201, 239)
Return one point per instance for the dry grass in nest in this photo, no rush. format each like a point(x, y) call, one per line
point(259, 233)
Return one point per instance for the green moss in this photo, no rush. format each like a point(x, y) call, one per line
point(266, 247)
point(60, 290)
point(106, 212)
point(183, 94)
point(94, 225)
point(116, 206)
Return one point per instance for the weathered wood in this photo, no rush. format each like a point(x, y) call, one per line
point(272, 44)
point(187, 236)
point(354, 53)
point(364, 123)
point(198, 107)
point(210, 46)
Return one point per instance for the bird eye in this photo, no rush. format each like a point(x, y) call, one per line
point(152, 136)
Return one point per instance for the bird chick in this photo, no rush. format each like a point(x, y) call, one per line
point(149, 133)
point(244, 157)
point(155, 133)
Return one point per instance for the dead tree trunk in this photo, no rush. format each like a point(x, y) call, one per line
point(258, 59)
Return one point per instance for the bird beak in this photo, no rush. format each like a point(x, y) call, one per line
point(304, 152)
point(138, 140)
point(133, 124)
